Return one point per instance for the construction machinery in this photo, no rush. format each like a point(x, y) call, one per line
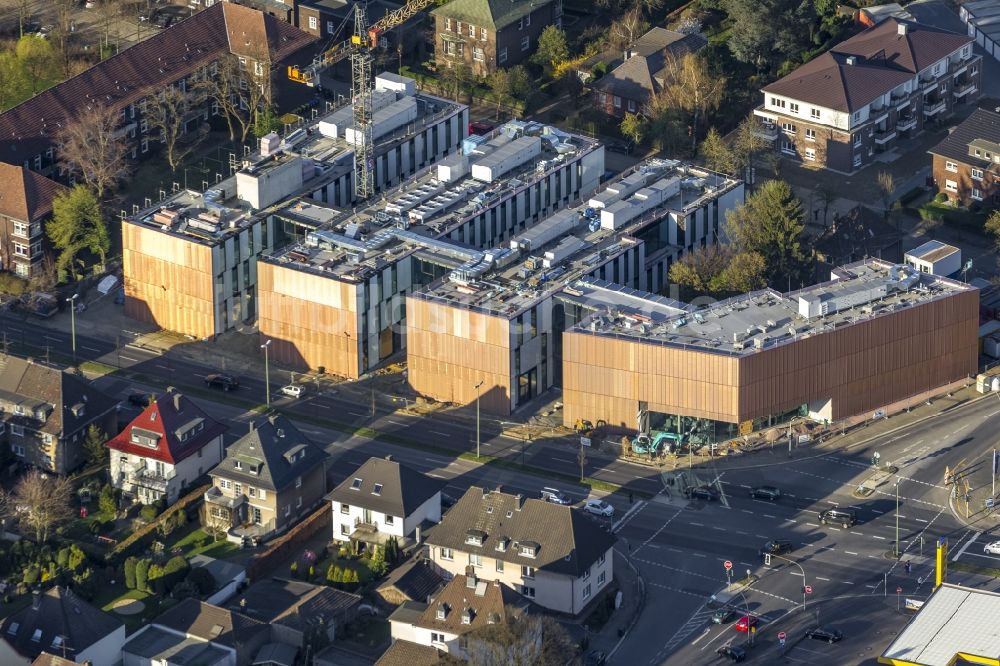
point(656, 443)
point(369, 38)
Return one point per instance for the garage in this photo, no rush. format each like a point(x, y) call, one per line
point(982, 18)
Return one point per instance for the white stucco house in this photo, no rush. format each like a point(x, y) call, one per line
point(384, 499)
point(165, 449)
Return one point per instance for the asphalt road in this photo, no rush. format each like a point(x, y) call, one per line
point(680, 546)
point(459, 437)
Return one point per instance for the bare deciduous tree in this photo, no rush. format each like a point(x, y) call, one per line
point(170, 113)
point(690, 87)
point(41, 502)
point(93, 148)
point(886, 189)
point(239, 88)
point(630, 27)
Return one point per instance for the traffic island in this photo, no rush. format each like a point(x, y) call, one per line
point(879, 478)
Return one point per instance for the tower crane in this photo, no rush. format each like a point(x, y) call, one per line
point(359, 48)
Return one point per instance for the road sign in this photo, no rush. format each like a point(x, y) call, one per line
point(728, 565)
point(767, 559)
point(809, 589)
point(899, 590)
point(781, 636)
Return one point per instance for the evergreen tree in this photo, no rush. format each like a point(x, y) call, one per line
point(772, 224)
point(130, 566)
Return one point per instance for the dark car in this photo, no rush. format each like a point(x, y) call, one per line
point(481, 127)
point(595, 658)
point(224, 382)
point(140, 400)
point(619, 147)
point(707, 493)
point(723, 616)
point(163, 19)
point(770, 493)
point(828, 634)
point(844, 517)
point(733, 652)
point(775, 547)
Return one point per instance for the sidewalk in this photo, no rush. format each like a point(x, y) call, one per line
point(633, 591)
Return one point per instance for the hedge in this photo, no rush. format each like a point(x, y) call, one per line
point(140, 539)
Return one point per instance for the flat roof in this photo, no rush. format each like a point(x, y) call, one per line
point(954, 620)
point(573, 242)
point(419, 214)
point(159, 644)
point(932, 251)
point(207, 217)
point(760, 320)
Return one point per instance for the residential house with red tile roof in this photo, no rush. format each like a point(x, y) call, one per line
point(45, 413)
point(129, 81)
point(25, 205)
point(165, 449)
point(859, 98)
point(966, 164)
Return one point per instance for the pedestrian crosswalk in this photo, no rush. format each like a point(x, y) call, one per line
point(697, 621)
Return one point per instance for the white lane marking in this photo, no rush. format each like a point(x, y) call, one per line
point(878, 512)
point(812, 524)
point(920, 520)
point(849, 552)
point(795, 573)
point(403, 425)
point(438, 432)
point(89, 348)
point(846, 582)
point(880, 538)
point(699, 554)
point(354, 413)
point(746, 511)
point(821, 578)
point(967, 544)
point(129, 358)
point(563, 460)
point(436, 476)
point(767, 515)
point(696, 524)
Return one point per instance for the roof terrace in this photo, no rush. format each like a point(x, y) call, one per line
point(206, 218)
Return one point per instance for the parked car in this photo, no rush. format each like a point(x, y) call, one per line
point(828, 634)
point(163, 19)
point(140, 400)
point(293, 390)
point(599, 507)
point(775, 547)
point(992, 548)
point(622, 147)
point(745, 622)
point(481, 127)
point(844, 517)
point(707, 493)
point(224, 382)
point(769, 493)
point(555, 496)
point(723, 615)
point(734, 652)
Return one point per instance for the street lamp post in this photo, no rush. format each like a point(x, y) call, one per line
point(267, 375)
point(72, 319)
point(801, 571)
point(478, 386)
point(895, 544)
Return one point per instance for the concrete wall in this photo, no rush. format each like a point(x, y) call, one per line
point(105, 652)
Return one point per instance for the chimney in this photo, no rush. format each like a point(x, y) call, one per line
point(851, 60)
point(470, 578)
point(901, 28)
point(36, 599)
point(177, 402)
point(253, 426)
point(388, 457)
point(518, 501)
point(418, 536)
point(170, 389)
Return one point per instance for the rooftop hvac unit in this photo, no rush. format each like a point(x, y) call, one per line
point(759, 341)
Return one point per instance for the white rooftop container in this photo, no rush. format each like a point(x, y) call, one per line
point(338, 121)
point(388, 119)
point(507, 157)
point(452, 168)
point(396, 82)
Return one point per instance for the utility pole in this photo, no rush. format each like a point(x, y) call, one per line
point(478, 439)
point(72, 319)
point(895, 544)
point(267, 375)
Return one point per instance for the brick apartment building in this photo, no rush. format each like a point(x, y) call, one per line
point(25, 205)
point(487, 34)
point(129, 80)
point(858, 99)
point(966, 164)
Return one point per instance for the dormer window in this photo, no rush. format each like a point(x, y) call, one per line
point(467, 616)
point(356, 484)
point(57, 642)
point(377, 490)
point(238, 465)
point(475, 537)
point(442, 611)
point(12, 629)
point(18, 409)
point(502, 544)
point(37, 636)
point(529, 549)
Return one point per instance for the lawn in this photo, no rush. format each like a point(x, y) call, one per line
point(154, 605)
point(196, 542)
point(952, 216)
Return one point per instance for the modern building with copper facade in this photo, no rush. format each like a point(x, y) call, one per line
point(874, 334)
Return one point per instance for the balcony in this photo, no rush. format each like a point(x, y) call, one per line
point(963, 88)
point(885, 136)
point(150, 478)
point(932, 108)
point(214, 496)
point(766, 131)
point(904, 123)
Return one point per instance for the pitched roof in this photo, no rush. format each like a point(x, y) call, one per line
point(163, 646)
point(175, 423)
point(492, 14)
point(982, 125)
point(567, 541)
point(407, 653)
point(417, 580)
point(883, 59)
point(270, 456)
point(58, 393)
point(142, 69)
point(46, 659)
point(401, 490)
point(24, 194)
point(211, 623)
point(638, 77)
point(61, 620)
point(296, 604)
point(465, 604)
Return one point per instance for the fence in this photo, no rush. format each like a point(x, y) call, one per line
point(283, 546)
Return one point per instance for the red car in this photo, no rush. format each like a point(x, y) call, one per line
point(745, 622)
